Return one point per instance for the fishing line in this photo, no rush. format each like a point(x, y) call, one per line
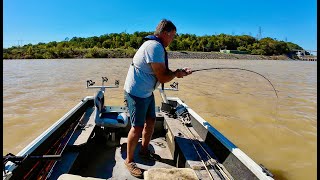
point(219, 68)
point(240, 69)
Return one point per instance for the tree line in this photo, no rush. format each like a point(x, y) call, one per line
point(124, 45)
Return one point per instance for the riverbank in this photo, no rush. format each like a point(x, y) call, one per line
point(218, 55)
point(129, 53)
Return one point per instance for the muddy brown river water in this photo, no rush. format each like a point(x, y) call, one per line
point(279, 133)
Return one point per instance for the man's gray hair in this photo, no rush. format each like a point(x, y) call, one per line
point(165, 25)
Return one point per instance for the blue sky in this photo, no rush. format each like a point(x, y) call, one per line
point(34, 21)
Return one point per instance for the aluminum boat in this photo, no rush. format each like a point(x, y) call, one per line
point(89, 142)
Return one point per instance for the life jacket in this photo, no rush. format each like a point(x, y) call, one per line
point(153, 37)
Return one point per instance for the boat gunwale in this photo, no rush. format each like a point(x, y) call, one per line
point(236, 151)
point(37, 142)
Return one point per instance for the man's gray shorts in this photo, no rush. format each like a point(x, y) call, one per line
point(140, 108)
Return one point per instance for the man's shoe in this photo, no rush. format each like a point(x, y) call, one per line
point(149, 155)
point(133, 169)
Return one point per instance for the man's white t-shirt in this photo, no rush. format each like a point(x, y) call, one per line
point(141, 80)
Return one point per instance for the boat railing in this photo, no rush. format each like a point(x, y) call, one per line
point(174, 87)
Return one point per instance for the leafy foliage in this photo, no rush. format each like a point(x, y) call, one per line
point(124, 45)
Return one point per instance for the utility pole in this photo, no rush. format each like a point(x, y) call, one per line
point(259, 33)
point(19, 43)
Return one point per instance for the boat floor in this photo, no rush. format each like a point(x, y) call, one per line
point(103, 158)
point(107, 159)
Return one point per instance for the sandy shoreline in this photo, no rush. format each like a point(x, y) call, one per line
point(218, 55)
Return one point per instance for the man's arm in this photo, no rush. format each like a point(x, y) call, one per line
point(165, 75)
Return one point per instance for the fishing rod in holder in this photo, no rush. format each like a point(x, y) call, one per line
point(90, 84)
point(174, 87)
point(19, 159)
point(104, 79)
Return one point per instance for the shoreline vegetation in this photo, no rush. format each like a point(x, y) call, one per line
point(184, 46)
point(117, 53)
point(188, 55)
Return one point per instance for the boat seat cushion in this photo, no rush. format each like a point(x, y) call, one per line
point(170, 173)
point(111, 119)
point(112, 115)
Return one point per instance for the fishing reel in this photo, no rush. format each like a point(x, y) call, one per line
point(104, 79)
point(90, 83)
point(174, 85)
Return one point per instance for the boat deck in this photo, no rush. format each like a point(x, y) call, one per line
point(103, 158)
point(106, 159)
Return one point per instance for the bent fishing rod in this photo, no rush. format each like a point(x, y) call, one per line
point(205, 69)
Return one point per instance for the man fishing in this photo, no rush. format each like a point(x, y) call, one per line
point(148, 69)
